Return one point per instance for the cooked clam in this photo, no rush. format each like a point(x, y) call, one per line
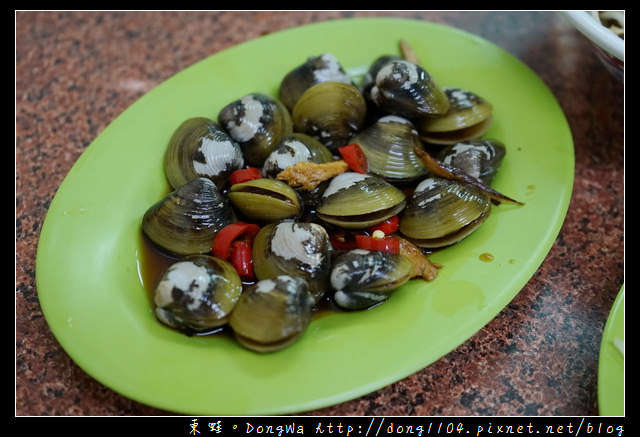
point(469, 117)
point(477, 158)
point(199, 147)
point(186, 220)
point(265, 200)
point(441, 169)
point(389, 146)
point(272, 313)
point(197, 293)
point(374, 112)
point(362, 278)
point(406, 89)
point(305, 188)
point(357, 201)
point(369, 79)
point(442, 212)
point(331, 112)
point(292, 149)
point(257, 122)
point(294, 248)
point(316, 69)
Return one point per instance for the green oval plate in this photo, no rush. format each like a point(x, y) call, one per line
point(88, 260)
point(611, 362)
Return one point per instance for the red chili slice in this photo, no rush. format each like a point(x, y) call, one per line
point(244, 175)
point(354, 157)
point(386, 244)
point(389, 226)
point(242, 260)
point(222, 242)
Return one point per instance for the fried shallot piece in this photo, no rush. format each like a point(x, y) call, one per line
point(308, 175)
point(422, 266)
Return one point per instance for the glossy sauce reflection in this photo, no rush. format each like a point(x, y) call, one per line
point(153, 262)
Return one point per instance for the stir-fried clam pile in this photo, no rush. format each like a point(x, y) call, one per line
point(325, 193)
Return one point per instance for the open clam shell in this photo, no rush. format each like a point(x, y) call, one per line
point(469, 117)
point(357, 201)
point(265, 200)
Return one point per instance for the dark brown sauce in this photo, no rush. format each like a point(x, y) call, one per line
point(154, 261)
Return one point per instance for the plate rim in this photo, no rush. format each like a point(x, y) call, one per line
point(87, 153)
point(605, 363)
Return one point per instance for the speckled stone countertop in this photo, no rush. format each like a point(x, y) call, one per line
point(77, 71)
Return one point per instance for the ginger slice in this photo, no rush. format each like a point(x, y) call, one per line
point(422, 266)
point(308, 175)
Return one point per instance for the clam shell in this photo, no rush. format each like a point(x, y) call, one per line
point(199, 147)
point(294, 248)
point(469, 117)
point(272, 314)
point(187, 219)
point(406, 89)
point(316, 69)
point(357, 201)
point(265, 200)
point(369, 79)
point(292, 149)
point(442, 212)
point(331, 112)
point(197, 294)
point(389, 146)
point(362, 278)
point(478, 158)
point(257, 122)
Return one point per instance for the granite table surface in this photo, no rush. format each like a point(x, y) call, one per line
point(77, 71)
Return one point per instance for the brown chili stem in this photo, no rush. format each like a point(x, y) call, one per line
point(443, 170)
point(408, 53)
